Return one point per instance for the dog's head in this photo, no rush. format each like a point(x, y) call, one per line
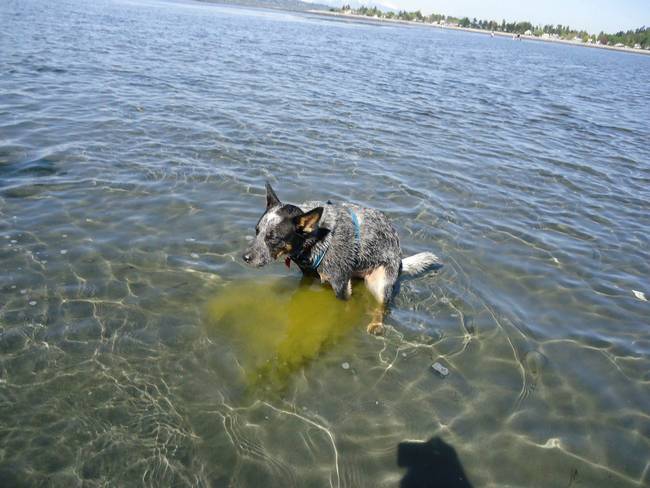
point(282, 230)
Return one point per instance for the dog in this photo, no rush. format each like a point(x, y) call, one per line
point(338, 243)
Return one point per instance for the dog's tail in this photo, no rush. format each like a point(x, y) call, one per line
point(420, 263)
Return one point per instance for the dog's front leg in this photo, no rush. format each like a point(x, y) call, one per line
point(342, 287)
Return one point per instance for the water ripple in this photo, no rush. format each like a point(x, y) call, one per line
point(135, 137)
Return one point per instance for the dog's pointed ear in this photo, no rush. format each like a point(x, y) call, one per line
point(271, 198)
point(308, 221)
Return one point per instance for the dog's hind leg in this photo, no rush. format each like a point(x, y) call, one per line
point(376, 283)
point(380, 283)
point(376, 325)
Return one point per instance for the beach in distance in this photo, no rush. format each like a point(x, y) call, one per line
point(530, 37)
point(137, 348)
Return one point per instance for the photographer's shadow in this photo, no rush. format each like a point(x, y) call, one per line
point(431, 464)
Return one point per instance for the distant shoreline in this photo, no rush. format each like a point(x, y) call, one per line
point(377, 20)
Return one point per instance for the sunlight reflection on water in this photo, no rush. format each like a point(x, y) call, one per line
point(135, 346)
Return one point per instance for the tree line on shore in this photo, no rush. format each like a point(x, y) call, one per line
point(638, 37)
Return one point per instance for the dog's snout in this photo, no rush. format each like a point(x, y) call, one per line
point(247, 257)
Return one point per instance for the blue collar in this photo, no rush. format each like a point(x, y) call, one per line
point(357, 238)
point(319, 258)
point(357, 227)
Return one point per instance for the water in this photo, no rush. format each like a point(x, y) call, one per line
point(136, 349)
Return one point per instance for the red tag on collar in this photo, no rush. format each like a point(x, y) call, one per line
point(287, 261)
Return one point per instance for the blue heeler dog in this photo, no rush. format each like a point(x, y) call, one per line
point(338, 243)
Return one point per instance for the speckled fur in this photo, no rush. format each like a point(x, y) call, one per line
point(345, 256)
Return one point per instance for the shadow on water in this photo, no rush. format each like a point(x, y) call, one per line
point(277, 326)
point(431, 464)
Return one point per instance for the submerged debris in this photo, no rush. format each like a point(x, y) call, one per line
point(640, 295)
point(345, 365)
point(440, 369)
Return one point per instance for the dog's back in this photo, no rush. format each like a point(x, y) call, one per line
point(363, 244)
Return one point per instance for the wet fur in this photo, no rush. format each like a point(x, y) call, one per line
point(306, 231)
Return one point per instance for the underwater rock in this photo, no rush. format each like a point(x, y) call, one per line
point(535, 362)
point(440, 369)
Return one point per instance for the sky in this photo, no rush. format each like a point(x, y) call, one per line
point(591, 15)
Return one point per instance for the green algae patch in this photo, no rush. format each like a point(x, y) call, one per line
point(280, 325)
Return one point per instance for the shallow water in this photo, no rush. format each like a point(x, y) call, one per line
point(279, 326)
point(135, 348)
